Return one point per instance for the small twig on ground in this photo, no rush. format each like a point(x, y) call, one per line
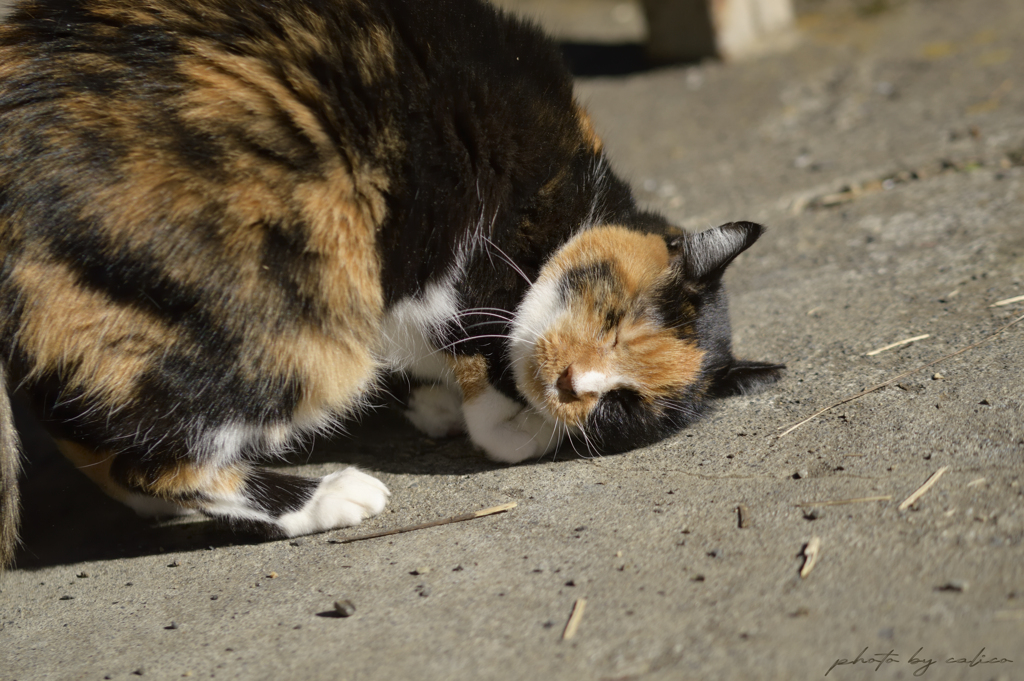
point(890, 346)
point(432, 523)
point(979, 481)
point(896, 378)
point(574, 619)
point(810, 556)
point(922, 489)
point(742, 516)
point(1007, 301)
point(843, 502)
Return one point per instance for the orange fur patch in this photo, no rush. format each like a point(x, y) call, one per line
point(640, 260)
point(471, 375)
point(97, 346)
point(637, 353)
point(335, 372)
point(247, 84)
point(176, 481)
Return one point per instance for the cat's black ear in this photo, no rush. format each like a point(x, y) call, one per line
point(706, 254)
point(745, 378)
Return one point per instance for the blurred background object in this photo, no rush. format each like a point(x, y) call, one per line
point(663, 31)
point(596, 21)
point(689, 30)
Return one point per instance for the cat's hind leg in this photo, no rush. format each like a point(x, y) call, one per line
point(96, 465)
point(341, 499)
point(279, 504)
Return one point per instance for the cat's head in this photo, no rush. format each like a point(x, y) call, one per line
point(625, 333)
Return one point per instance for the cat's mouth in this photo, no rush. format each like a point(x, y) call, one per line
point(564, 373)
point(566, 390)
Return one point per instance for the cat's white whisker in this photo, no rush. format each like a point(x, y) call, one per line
point(586, 439)
point(473, 338)
point(503, 318)
point(471, 310)
point(479, 324)
point(105, 459)
point(493, 315)
point(510, 262)
point(572, 444)
point(558, 441)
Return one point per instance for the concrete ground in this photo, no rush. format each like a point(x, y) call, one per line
point(886, 153)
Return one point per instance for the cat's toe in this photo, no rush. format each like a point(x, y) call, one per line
point(521, 439)
point(436, 411)
point(343, 499)
point(507, 431)
point(511, 446)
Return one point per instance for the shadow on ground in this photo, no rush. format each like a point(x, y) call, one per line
point(67, 519)
point(605, 59)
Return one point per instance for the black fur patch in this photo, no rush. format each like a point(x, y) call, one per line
point(278, 494)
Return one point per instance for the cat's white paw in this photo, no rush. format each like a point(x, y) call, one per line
point(540, 429)
point(507, 431)
point(521, 439)
point(436, 410)
point(343, 499)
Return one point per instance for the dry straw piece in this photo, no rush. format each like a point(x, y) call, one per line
point(922, 489)
point(574, 619)
point(743, 516)
point(1008, 301)
point(890, 346)
point(896, 378)
point(433, 523)
point(810, 556)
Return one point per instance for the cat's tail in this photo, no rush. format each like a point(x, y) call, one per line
point(10, 465)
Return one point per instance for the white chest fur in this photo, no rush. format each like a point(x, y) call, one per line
point(411, 327)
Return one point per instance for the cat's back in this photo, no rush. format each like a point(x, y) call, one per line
point(220, 117)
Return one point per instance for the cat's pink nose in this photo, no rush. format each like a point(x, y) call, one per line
point(564, 382)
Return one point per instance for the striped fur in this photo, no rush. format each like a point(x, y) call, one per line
point(222, 221)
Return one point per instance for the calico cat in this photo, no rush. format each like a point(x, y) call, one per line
point(222, 221)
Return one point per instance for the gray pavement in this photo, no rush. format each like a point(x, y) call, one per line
point(886, 154)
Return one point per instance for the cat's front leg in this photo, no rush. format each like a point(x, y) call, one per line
point(505, 429)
